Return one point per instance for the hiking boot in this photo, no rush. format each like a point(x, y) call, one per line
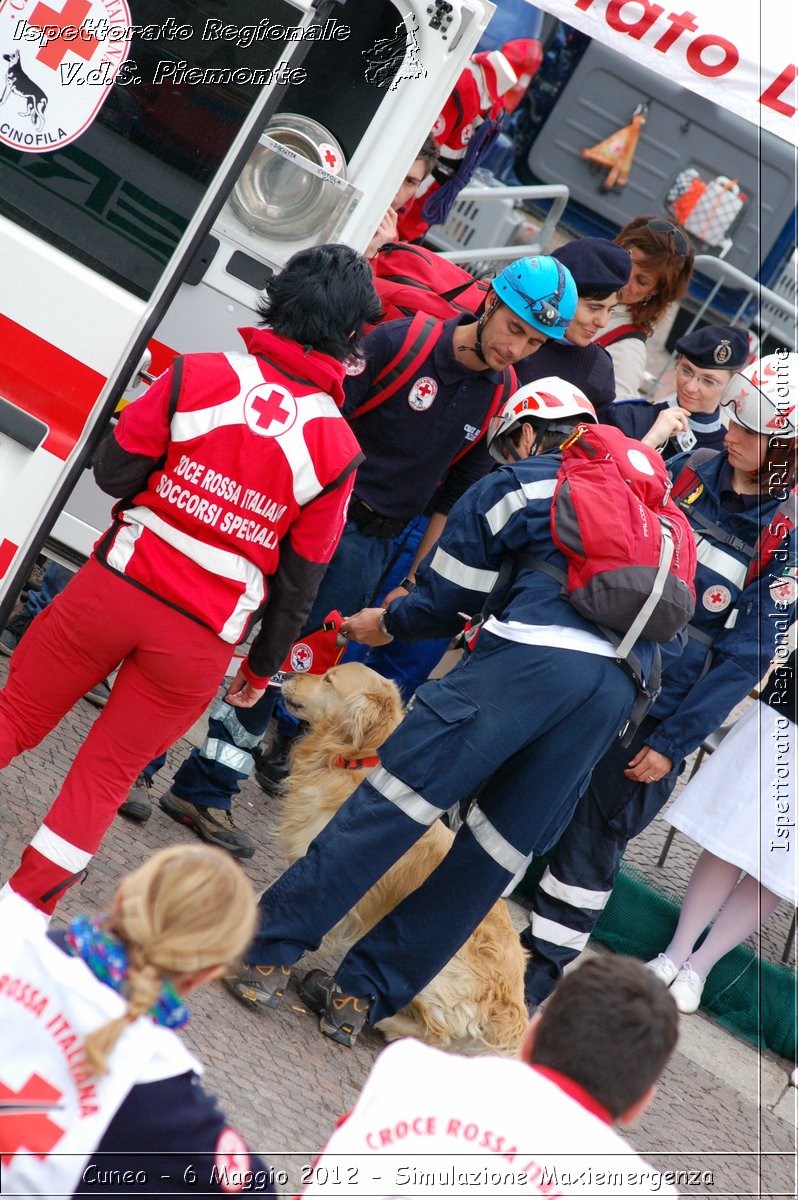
point(138, 806)
point(341, 1017)
point(214, 825)
point(100, 694)
point(12, 634)
point(257, 986)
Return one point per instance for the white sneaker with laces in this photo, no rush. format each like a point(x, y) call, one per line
point(686, 989)
point(664, 968)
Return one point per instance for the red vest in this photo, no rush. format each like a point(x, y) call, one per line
point(251, 442)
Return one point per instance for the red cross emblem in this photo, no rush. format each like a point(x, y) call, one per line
point(716, 598)
point(270, 411)
point(330, 158)
point(24, 1124)
point(422, 393)
point(54, 49)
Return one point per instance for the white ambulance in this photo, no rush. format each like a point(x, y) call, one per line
point(142, 206)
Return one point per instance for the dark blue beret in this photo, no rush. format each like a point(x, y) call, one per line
point(596, 265)
point(715, 347)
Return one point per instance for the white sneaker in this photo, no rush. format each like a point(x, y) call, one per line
point(664, 968)
point(686, 989)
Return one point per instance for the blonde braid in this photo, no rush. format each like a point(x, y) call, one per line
point(187, 908)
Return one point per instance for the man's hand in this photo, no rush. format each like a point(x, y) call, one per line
point(364, 627)
point(243, 694)
point(386, 232)
point(669, 422)
point(648, 766)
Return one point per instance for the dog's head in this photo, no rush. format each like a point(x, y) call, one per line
point(354, 706)
point(12, 58)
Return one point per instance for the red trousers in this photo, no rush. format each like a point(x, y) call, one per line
point(171, 668)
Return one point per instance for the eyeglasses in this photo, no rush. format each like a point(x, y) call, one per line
point(681, 245)
point(702, 381)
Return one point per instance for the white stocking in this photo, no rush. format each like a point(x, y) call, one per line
point(748, 907)
point(712, 882)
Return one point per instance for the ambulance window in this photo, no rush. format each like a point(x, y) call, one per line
point(120, 195)
point(337, 93)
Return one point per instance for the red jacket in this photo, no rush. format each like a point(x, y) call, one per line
point(238, 469)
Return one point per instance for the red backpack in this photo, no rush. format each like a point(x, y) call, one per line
point(411, 279)
point(631, 552)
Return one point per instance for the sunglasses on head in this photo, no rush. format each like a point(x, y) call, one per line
point(681, 245)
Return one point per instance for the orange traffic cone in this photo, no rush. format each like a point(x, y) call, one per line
point(617, 152)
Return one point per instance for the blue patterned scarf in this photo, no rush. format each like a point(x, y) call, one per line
point(106, 957)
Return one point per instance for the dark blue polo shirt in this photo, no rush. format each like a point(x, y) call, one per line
point(410, 440)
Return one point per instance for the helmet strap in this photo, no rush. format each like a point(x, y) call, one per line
point(481, 323)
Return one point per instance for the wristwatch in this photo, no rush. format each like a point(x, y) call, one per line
point(407, 584)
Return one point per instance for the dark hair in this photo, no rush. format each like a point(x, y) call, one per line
point(660, 249)
point(429, 152)
point(322, 298)
point(610, 1026)
point(602, 294)
point(546, 438)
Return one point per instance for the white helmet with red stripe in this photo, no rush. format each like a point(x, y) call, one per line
point(763, 397)
point(551, 402)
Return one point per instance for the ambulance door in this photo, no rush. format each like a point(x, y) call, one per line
point(123, 124)
point(326, 169)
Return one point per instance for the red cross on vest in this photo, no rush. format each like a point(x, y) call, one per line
point(71, 16)
point(270, 408)
point(424, 389)
point(24, 1125)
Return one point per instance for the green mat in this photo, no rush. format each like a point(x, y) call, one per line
point(753, 999)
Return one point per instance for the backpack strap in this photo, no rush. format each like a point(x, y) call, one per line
point(647, 689)
point(502, 393)
point(620, 334)
point(423, 333)
point(688, 479)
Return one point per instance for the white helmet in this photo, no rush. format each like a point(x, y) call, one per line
point(763, 397)
point(551, 401)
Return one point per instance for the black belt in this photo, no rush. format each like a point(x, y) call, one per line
point(371, 524)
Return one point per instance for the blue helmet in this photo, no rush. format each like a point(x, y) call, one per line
point(541, 291)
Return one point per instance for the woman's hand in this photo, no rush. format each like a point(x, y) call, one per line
point(669, 422)
point(243, 694)
point(648, 766)
point(364, 627)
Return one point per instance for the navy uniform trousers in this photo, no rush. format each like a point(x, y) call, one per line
point(518, 727)
point(583, 867)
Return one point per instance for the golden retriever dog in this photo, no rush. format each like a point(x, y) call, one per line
point(476, 1003)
